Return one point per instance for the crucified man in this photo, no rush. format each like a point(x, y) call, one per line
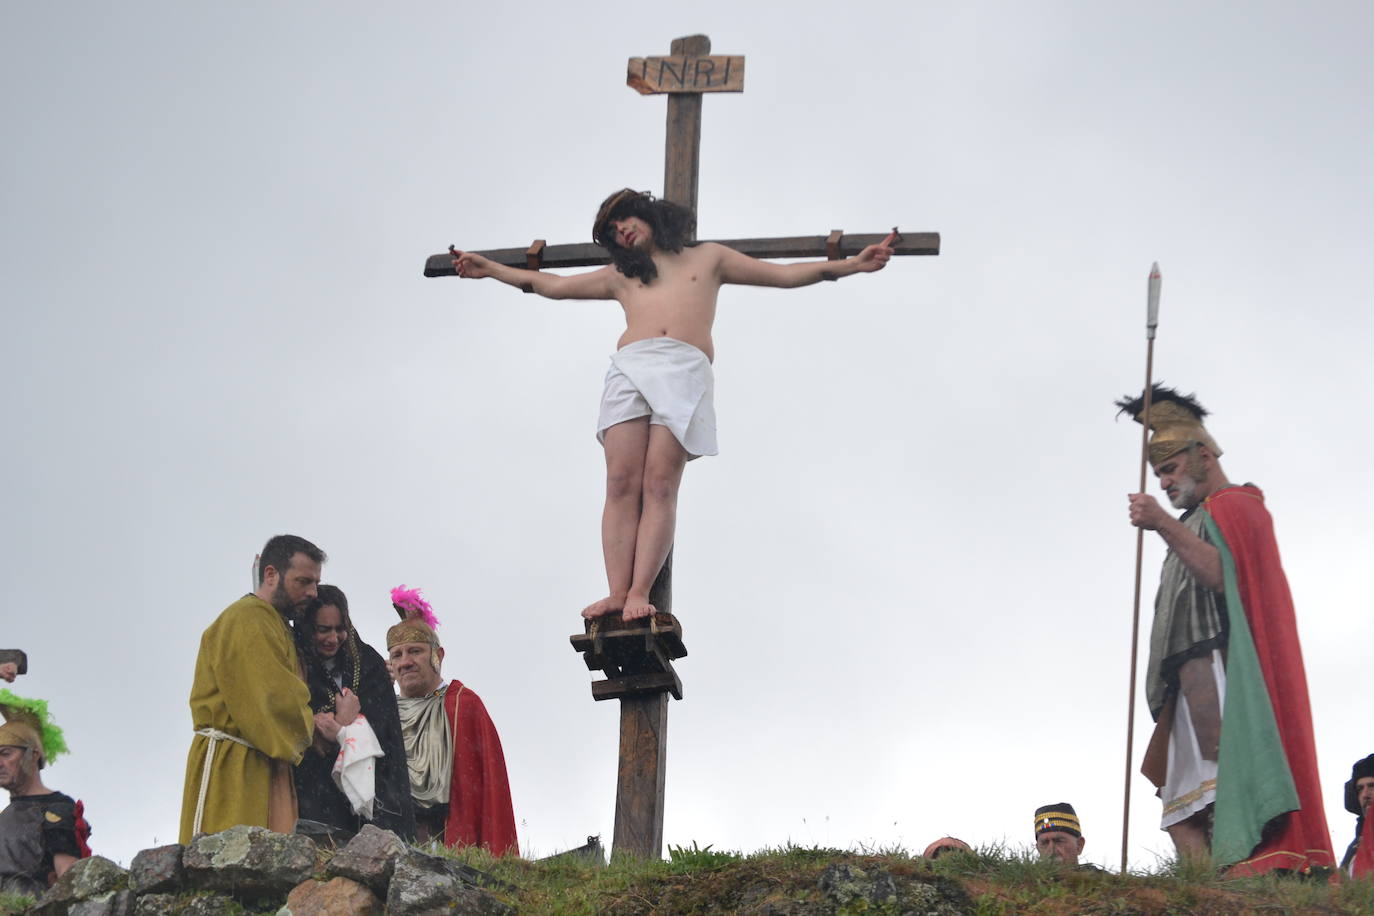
point(656, 409)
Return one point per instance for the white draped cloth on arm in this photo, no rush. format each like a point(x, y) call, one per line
point(354, 771)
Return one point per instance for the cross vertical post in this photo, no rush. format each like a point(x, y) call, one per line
point(642, 776)
point(641, 779)
point(682, 142)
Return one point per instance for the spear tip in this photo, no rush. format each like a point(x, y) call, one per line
point(1152, 308)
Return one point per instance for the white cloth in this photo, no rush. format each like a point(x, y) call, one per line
point(354, 771)
point(429, 747)
point(1191, 781)
point(669, 381)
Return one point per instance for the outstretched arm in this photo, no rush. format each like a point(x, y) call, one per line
point(736, 267)
point(593, 285)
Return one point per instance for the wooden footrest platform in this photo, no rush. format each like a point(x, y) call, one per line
point(636, 655)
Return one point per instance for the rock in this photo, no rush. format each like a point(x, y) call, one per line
point(934, 897)
point(201, 905)
point(335, 897)
point(114, 903)
point(249, 862)
point(211, 905)
point(847, 886)
point(368, 858)
point(155, 871)
point(89, 879)
point(850, 889)
point(155, 905)
point(423, 885)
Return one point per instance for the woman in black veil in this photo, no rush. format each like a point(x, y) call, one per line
point(339, 665)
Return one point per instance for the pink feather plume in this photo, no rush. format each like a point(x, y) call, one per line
point(410, 600)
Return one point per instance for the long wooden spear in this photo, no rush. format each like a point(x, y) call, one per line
point(1151, 322)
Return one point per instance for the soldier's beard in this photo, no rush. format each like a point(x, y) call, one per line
point(1184, 495)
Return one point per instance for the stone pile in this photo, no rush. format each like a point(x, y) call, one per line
point(252, 868)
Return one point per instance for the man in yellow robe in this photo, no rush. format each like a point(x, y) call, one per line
point(249, 706)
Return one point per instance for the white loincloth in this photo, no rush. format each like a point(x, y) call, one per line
point(1191, 783)
point(668, 381)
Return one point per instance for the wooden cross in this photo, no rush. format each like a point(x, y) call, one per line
point(637, 657)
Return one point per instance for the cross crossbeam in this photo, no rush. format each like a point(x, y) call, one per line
point(586, 254)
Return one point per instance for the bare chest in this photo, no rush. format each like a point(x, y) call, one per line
point(686, 283)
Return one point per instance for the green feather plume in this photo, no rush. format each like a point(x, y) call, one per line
point(35, 714)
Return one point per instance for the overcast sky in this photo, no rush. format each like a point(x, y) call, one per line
point(905, 582)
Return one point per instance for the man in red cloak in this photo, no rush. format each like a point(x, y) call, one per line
point(1232, 752)
point(457, 769)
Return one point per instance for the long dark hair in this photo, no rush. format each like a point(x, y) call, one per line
point(672, 224)
point(347, 659)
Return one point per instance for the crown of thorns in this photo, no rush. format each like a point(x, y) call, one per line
point(609, 207)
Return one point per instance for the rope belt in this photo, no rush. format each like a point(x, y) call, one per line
point(215, 736)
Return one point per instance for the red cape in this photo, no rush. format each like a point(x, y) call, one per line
point(1298, 840)
point(479, 808)
point(1362, 866)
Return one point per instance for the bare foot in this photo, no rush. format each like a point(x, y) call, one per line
point(637, 607)
point(608, 605)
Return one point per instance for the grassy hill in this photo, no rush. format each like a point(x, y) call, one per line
point(814, 881)
point(797, 881)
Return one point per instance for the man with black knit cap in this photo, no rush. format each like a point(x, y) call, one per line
point(1359, 793)
point(1058, 834)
